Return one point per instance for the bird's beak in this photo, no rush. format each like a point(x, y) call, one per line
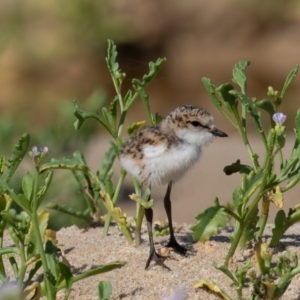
point(218, 132)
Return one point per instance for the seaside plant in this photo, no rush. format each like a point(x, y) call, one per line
point(98, 187)
point(261, 186)
point(34, 250)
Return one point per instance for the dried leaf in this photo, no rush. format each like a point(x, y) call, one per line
point(212, 288)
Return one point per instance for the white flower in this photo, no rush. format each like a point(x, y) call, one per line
point(279, 118)
point(35, 151)
point(45, 150)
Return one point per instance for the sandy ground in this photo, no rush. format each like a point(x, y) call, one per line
point(87, 249)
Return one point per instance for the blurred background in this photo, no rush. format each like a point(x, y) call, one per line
point(52, 52)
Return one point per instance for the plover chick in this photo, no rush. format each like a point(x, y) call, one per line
point(162, 154)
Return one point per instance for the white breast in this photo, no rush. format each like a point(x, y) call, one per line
point(172, 164)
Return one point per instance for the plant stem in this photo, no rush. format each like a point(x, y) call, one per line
point(23, 264)
point(284, 281)
point(243, 134)
point(2, 228)
point(117, 86)
point(139, 216)
point(264, 216)
point(114, 200)
point(50, 292)
point(235, 242)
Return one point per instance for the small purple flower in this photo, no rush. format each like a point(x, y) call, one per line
point(38, 154)
point(177, 294)
point(279, 118)
point(35, 151)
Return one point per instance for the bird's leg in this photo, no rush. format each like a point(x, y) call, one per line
point(153, 255)
point(168, 207)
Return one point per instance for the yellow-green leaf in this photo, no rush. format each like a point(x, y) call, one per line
point(43, 218)
point(145, 203)
point(212, 288)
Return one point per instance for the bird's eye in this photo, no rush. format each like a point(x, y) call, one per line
point(196, 123)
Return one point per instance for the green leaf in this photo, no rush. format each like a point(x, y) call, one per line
point(209, 222)
point(104, 290)
point(85, 215)
point(112, 53)
point(224, 269)
point(238, 277)
point(9, 250)
point(109, 186)
point(250, 107)
point(145, 100)
point(251, 183)
point(81, 116)
point(99, 270)
point(51, 277)
point(20, 200)
point(156, 119)
point(237, 167)
point(43, 189)
point(229, 99)
point(134, 127)
point(250, 228)
point(14, 265)
point(17, 155)
point(2, 164)
point(127, 98)
point(107, 162)
point(113, 110)
point(297, 125)
point(9, 218)
point(239, 74)
point(33, 271)
point(289, 80)
point(43, 218)
point(266, 105)
point(66, 275)
point(30, 250)
point(282, 223)
point(27, 185)
point(154, 68)
point(65, 163)
point(242, 273)
point(210, 88)
point(52, 260)
point(117, 214)
point(107, 115)
point(238, 200)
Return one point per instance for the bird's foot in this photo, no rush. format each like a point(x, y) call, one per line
point(178, 248)
point(157, 258)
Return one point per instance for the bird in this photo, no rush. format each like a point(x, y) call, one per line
point(162, 154)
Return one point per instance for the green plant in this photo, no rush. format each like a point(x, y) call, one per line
point(260, 184)
point(34, 246)
point(98, 188)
